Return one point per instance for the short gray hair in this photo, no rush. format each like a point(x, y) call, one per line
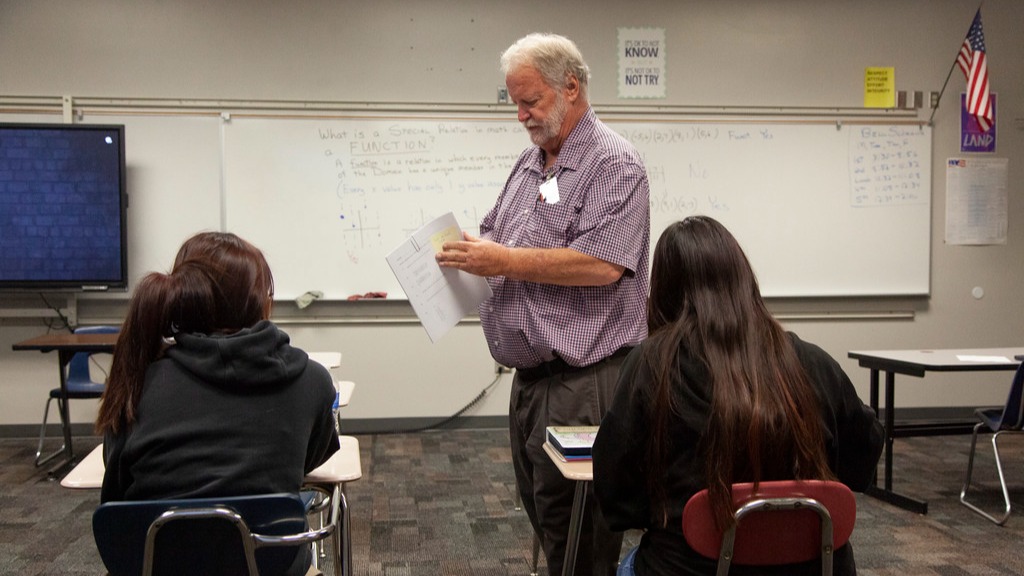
point(555, 58)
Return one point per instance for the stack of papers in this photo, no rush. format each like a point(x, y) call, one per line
point(439, 296)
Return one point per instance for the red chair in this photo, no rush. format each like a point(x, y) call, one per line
point(784, 522)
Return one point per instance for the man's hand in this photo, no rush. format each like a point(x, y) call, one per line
point(475, 255)
point(559, 266)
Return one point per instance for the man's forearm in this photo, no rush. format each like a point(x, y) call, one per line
point(560, 266)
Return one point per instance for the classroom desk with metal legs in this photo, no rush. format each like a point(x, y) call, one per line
point(67, 345)
point(582, 471)
point(917, 363)
point(342, 467)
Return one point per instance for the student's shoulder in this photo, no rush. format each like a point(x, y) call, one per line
point(810, 354)
point(317, 375)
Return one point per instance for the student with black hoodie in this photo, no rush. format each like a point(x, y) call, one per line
point(720, 393)
point(206, 397)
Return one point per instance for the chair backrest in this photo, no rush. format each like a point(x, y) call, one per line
point(1013, 413)
point(782, 523)
point(78, 367)
point(199, 536)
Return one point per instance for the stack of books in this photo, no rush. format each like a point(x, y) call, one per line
point(572, 442)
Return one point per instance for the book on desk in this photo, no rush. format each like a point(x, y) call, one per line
point(572, 442)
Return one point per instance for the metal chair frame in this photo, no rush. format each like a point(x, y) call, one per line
point(765, 505)
point(999, 421)
point(775, 497)
point(223, 509)
point(79, 386)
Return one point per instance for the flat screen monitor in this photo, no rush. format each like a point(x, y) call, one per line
point(63, 207)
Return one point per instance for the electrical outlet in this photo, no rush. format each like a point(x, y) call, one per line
point(501, 369)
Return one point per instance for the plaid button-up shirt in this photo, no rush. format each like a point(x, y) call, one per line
point(603, 210)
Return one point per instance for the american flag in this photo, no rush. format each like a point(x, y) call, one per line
point(974, 64)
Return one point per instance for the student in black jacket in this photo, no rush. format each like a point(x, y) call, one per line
point(206, 397)
point(718, 394)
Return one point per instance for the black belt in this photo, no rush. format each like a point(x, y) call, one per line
point(559, 366)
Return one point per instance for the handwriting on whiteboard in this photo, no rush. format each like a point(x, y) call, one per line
point(885, 167)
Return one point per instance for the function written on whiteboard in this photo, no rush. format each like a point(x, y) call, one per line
point(380, 167)
point(885, 166)
point(439, 296)
point(349, 190)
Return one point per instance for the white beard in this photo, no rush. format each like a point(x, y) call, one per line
point(551, 126)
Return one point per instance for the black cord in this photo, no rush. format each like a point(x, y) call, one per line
point(436, 425)
point(64, 323)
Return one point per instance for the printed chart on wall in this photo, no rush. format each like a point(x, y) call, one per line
point(822, 208)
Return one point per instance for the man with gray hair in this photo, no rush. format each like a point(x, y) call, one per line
point(565, 250)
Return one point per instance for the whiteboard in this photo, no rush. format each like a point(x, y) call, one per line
point(822, 208)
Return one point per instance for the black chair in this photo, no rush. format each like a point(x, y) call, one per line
point(1009, 418)
point(79, 386)
point(254, 535)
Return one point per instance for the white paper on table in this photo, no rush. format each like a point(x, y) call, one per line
point(977, 358)
point(439, 296)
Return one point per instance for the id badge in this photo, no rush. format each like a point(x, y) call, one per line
point(549, 190)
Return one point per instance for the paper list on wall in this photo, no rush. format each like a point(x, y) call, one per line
point(976, 200)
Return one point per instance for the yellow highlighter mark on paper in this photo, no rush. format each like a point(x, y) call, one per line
point(449, 234)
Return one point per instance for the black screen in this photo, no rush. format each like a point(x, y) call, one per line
point(62, 207)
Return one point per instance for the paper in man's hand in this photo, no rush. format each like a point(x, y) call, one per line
point(439, 296)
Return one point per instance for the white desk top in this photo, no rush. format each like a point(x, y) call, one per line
point(949, 359)
point(328, 359)
point(579, 470)
point(88, 473)
point(343, 466)
point(345, 389)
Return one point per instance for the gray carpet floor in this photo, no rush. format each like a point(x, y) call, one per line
point(442, 503)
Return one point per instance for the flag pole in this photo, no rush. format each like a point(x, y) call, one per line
point(950, 73)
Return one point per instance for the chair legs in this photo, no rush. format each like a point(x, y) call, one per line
point(1002, 479)
point(341, 540)
point(536, 537)
point(40, 459)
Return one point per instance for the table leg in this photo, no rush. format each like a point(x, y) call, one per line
point(890, 426)
point(344, 540)
point(63, 359)
point(886, 494)
point(579, 502)
point(873, 402)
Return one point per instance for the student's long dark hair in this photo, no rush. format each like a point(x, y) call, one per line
point(219, 284)
point(765, 421)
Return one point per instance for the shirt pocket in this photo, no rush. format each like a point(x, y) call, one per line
point(552, 225)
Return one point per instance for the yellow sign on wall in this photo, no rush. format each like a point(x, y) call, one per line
point(879, 87)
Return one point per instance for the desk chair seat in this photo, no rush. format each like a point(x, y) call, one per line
point(80, 386)
point(255, 535)
point(784, 522)
point(1008, 419)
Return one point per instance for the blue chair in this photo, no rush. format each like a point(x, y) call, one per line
point(79, 386)
point(255, 535)
point(1009, 418)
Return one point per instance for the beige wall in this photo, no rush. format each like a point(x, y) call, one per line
point(793, 53)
